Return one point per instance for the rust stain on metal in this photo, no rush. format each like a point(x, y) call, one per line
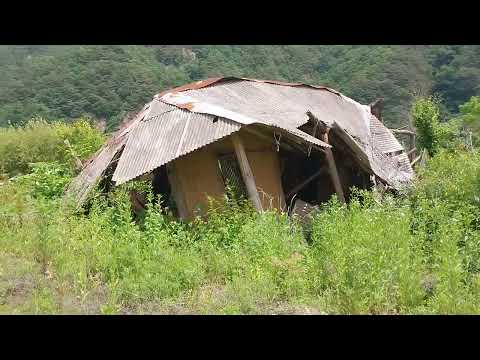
point(186, 106)
point(192, 86)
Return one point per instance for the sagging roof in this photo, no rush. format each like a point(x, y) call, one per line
point(181, 120)
point(272, 103)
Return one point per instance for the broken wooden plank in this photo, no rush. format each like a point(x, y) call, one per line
point(413, 138)
point(416, 160)
point(411, 151)
point(424, 158)
point(246, 171)
point(324, 129)
point(305, 182)
point(304, 211)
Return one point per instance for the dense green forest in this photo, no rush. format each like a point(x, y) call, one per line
point(106, 82)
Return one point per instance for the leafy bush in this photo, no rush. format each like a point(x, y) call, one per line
point(426, 113)
point(470, 118)
point(41, 141)
point(46, 179)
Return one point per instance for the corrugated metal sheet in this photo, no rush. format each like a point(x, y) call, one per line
point(383, 138)
point(163, 138)
point(157, 109)
point(174, 133)
point(277, 104)
point(91, 173)
point(387, 168)
point(94, 168)
point(403, 163)
point(373, 161)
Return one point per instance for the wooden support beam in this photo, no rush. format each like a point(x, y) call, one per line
point(413, 138)
point(333, 169)
point(314, 133)
point(324, 129)
point(305, 182)
point(299, 143)
point(416, 160)
point(177, 191)
point(266, 137)
point(246, 171)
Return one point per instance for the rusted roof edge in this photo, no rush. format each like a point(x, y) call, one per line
point(211, 81)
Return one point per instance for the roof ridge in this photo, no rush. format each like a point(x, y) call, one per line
point(215, 80)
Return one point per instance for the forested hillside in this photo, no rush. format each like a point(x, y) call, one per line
point(106, 82)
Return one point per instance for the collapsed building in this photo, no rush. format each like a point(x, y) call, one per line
point(283, 145)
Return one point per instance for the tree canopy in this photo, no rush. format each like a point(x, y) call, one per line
point(107, 82)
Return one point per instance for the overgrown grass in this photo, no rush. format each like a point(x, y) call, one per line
point(415, 254)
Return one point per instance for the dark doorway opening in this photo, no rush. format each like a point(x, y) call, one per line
point(162, 189)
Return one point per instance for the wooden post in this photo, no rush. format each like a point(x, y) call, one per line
point(376, 108)
point(413, 138)
point(177, 191)
point(333, 169)
point(246, 171)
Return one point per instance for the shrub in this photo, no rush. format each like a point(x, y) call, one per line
point(364, 258)
point(46, 179)
point(426, 113)
point(41, 141)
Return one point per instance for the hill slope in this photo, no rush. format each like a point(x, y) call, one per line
point(106, 82)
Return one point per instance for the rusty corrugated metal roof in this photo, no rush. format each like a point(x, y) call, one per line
point(374, 161)
point(181, 120)
point(272, 104)
point(282, 105)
